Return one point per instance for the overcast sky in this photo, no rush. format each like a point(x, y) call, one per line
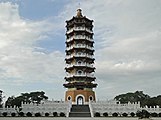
point(127, 35)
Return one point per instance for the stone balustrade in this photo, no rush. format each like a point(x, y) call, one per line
point(115, 107)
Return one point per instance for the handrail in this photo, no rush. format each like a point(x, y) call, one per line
point(79, 55)
point(84, 64)
point(79, 29)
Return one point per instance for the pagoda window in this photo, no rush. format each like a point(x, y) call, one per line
point(79, 53)
point(79, 72)
point(91, 98)
point(69, 98)
point(79, 62)
point(79, 44)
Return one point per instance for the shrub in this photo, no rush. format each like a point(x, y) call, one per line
point(62, 114)
point(29, 114)
point(13, 114)
point(132, 114)
point(105, 114)
point(21, 114)
point(154, 114)
point(4, 114)
point(138, 113)
point(143, 114)
point(46, 114)
point(97, 114)
point(124, 114)
point(55, 114)
point(115, 114)
point(159, 114)
point(37, 114)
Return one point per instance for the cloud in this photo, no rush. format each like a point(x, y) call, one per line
point(22, 62)
point(127, 43)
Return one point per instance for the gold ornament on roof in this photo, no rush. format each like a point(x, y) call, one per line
point(79, 13)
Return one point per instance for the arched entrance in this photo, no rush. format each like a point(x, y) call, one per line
point(80, 100)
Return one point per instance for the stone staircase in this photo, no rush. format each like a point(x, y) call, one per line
point(80, 111)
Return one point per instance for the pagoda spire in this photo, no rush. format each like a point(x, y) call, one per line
point(79, 13)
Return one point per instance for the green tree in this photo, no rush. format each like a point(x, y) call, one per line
point(133, 97)
point(1, 99)
point(10, 102)
point(33, 97)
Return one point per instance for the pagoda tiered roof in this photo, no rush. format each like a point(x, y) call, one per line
point(80, 85)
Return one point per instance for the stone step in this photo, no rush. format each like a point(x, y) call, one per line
point(80, 108)
point(80, 111)
point(79, 114)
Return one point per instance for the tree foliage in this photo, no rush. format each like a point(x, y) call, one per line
point(132, 114)
point(97, 114)
point(143, 114)
point(32, 97)
point(115, 114)
point(105, 114)
point(139, 96)
point(1, 99)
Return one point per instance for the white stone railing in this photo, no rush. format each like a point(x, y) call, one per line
point(91, 109)
point(150, 109)
point(78, 37)
point(79, 46)
point(47, 107)
point(8, 110)
point(80, 75)
point(79, 55)
point(82, 64)
point(79, 29)
point(111, 107)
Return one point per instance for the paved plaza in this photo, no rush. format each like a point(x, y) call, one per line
point(83, 118)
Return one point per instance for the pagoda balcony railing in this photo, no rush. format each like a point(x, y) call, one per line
point(79, 46)
point(83, 64)
point(79, 55)
point(78, 37)
point(80, 75)
point(79, 29)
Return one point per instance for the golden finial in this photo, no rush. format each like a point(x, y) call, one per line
point(79, 13)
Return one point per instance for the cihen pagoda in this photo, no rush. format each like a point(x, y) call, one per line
point(80, 79)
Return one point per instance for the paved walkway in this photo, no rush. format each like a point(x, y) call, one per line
point(58, 118)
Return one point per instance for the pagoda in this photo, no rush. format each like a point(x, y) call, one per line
point(80, 79)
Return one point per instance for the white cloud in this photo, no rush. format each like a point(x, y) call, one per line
point(127, 40)
point(20, 61)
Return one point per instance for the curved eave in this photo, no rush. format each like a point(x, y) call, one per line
point(73, 40)
point(74, 17)
point(75, 48)
point(74, 31)
point(74, 77)
point(79, 57)
point(86, 80)
point(69, 61)
point(90, 69)
point(80, 85)
point(72, 21)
